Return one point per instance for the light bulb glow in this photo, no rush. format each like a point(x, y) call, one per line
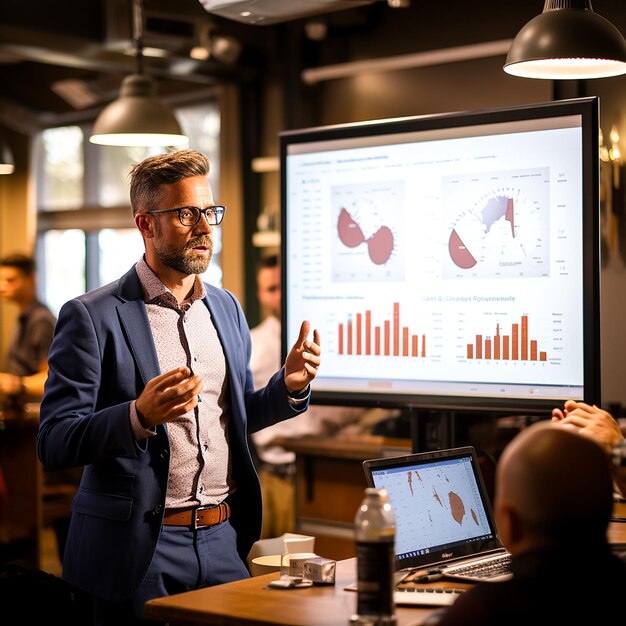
point(139, 139)
point(571, 68)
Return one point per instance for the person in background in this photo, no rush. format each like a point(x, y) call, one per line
point(27, 359)
point(599, 425)
point(552, 506)
point(149, 389)
point(277, 466)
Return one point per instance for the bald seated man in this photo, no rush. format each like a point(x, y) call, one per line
point(553, 502)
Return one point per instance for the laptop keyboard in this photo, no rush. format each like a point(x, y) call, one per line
point(498, 567)
point(426, 596)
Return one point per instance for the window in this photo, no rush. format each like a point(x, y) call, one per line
point(62, 164)
point(64, 263)
point(86, 234)
point(118, 249)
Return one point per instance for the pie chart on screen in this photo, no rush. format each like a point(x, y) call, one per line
point(379, 245)
point(459, 253)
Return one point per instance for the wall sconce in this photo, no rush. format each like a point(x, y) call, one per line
point(611, 192)
point(612, 156)
point(567, 41)
point(7, 162)
point(614, 152)
point(615, 157)
point(137, 117)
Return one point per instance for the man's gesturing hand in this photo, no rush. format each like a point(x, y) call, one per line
point(168, 396)
point(303, 360)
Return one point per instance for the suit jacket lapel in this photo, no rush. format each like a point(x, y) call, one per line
point(134, 321)
point(225, 332)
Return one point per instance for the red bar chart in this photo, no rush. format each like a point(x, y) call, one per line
point(514, 346)
point(359, 335)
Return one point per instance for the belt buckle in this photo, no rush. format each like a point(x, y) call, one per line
point(194, 516)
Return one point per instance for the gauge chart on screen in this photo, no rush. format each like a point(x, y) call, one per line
point(500, 224)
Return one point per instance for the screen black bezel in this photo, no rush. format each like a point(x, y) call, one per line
point(588, 109)
point(446, 555)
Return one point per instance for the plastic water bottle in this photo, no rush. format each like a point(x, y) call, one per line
point(375, 534)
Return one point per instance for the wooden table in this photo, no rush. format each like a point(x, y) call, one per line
point(248, 603)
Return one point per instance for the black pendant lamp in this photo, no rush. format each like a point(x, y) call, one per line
point(567, 41)
point(138, 117)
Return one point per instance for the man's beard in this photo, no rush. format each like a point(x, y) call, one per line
point(187, 262)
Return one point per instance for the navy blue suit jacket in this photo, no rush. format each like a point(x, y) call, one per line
point(101, 358)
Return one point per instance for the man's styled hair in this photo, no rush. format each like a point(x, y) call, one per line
point(23, 263)
point(147, 176)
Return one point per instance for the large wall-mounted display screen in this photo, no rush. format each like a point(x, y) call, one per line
point(448, 260)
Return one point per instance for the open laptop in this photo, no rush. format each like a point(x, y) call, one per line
point(444, 520)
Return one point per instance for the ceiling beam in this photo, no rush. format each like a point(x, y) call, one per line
point(407, 61)
point(67, 51)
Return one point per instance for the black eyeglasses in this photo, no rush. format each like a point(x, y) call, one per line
point(190, 215)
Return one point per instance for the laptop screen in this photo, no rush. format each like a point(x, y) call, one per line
point(440, 504)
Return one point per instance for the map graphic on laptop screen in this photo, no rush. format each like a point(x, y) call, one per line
point(452, 512)
point(440, 503)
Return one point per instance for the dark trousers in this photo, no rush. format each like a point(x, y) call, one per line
point(185, 559)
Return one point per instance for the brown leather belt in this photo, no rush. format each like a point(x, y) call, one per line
point(198, 516)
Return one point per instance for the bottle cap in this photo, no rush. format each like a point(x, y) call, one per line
point(376, 492)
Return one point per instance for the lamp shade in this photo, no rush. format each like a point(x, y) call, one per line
point(7, 162)
point(567, 41)
point(137, 118)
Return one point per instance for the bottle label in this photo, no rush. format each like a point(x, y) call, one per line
point(375, 565)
